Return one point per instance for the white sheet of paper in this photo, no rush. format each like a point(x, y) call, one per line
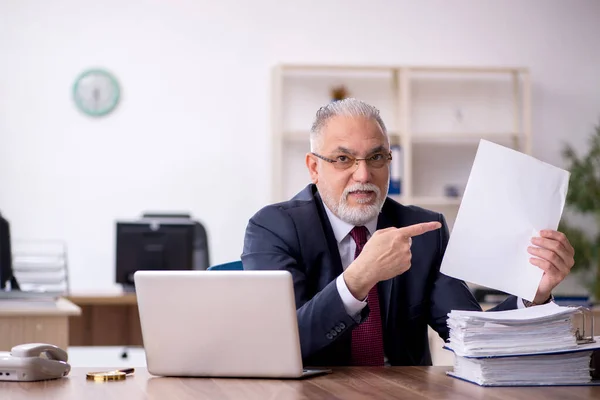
point(509, 198)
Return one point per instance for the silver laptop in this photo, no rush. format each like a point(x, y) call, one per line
point(220, 324)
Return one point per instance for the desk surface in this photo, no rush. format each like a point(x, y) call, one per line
point(103, 299)
point(33, 307)
point(344, 383)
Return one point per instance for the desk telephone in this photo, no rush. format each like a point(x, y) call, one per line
point(33, 362)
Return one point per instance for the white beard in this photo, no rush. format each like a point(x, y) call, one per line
point(356, 215)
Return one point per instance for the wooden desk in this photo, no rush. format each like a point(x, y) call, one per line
point(106, 320)
point(28, 321)
point(113, 320)
point(344, 383)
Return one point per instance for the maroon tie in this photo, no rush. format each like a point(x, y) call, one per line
point(367, 338)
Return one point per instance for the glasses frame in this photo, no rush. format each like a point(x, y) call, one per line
point(356, 160)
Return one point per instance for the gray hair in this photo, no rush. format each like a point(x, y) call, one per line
point(349, 107)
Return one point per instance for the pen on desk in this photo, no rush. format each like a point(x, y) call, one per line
point(127, 370)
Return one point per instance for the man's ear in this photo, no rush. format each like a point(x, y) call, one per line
point(311, 164)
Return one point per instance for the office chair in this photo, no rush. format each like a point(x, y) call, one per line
point(230, 266)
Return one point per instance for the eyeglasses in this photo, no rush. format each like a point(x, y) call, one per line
point(343, 162)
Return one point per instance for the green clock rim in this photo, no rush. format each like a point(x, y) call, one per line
point(115, 100)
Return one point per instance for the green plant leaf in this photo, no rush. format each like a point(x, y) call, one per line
point(584, 196)
point(584, 257)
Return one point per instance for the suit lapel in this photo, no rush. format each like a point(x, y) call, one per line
point(385, 287)
point(336, 261)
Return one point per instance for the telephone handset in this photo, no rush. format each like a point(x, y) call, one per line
point(33, 362)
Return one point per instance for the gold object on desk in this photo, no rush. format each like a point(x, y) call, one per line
point(115, 375)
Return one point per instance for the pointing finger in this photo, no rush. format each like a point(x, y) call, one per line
point(419, 229)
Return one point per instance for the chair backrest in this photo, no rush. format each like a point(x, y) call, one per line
point(230, 266)
point(6, 272)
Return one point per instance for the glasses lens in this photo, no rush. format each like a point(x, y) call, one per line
point(344, 162)
point(378, 160)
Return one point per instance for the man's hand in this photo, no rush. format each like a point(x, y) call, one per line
point(386, 255)
point(555, 258)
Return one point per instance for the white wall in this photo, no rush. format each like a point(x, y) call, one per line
point(192, 131)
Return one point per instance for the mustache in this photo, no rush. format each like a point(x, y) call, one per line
point(361, 187)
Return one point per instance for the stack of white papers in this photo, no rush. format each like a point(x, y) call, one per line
point(530, 346)
point(529, 330)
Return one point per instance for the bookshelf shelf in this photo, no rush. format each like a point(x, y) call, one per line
point(428, 201)
point(458, 138)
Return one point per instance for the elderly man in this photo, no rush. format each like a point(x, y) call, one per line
point(366, 268)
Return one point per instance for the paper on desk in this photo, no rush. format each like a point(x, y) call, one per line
point(508, 199)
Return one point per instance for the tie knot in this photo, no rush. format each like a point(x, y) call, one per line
point(359, 234)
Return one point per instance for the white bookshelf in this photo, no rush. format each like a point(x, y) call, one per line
point(437, 114)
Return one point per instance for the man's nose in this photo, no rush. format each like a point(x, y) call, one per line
point(361, 171)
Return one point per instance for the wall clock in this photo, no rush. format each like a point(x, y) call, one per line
point(96, 92)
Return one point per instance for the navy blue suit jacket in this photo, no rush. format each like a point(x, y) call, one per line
point(296, 236)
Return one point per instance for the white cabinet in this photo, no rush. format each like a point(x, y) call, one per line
point(435, 114)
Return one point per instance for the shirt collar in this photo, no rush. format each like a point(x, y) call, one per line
point(341, 229)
